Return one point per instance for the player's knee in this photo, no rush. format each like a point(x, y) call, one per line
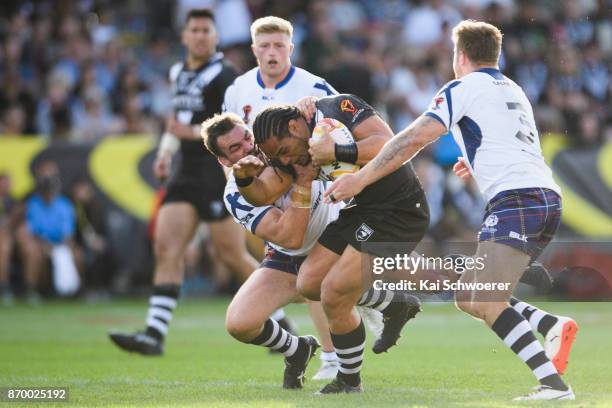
point(240, 328)
point(464, 302)
point(165, 250)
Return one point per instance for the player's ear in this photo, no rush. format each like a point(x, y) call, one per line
point(291, 46)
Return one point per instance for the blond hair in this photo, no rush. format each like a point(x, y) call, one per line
point(270, 25)
point(217, 126)
point(480, 41)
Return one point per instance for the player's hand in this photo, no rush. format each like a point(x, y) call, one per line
point(305, 174)
point(248, 166)
point(180, 130)
point(347, 186)
point(323, 151)
point(307, 107)
point(162, 167)
point(461, 169)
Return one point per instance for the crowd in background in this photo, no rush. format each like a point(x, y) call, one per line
point(85, 70)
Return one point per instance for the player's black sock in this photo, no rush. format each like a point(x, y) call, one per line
point(349, 348)
point(161, 304)
point(385, 301)
point(538, 319)
point(516, 333)
point(276, 338)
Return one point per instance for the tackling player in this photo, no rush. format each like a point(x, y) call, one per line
point(492, 121)
point(291, 224)
point(195, 193)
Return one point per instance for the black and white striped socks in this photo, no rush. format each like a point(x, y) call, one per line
point(538, 319)
point(382, 300)
point(349, 349)
point(161, 305)
point(276, 338)
point(516, 333)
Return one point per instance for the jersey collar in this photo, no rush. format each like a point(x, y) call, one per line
point(494, 72)
point(281, 83)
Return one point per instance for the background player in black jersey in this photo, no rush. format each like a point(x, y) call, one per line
point(332, 270)
point(195, 192)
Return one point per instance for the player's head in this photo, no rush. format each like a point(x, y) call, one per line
point(282, 134)
point(272, 45)
point(477, 44)
point(226, 136)
point(199, 35)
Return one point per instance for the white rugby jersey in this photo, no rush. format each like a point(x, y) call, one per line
point(492, 121)
point(250, 216)
point(248, 95)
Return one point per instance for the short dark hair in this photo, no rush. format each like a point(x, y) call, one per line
point(274, 121)
point(217, 126)
point(200, 13)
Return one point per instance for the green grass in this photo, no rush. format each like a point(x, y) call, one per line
point(443, 359)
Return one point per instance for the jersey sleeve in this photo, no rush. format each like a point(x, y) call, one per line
point(348, 109)
point(450, 104)
point(321, 88)
point(243, 212)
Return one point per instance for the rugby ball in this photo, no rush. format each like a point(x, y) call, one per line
point(341, 135)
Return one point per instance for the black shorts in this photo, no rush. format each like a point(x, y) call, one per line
point(200, 183)
point(281, 262)
point(395, 226)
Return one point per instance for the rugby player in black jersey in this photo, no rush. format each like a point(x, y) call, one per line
point(195, 192)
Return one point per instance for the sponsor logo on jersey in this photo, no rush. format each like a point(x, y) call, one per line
point(491, 220)
point(438, 101)
point(363, 232)
point(347, 106)
point(246, 109)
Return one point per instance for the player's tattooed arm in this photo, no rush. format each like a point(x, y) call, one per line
point(268, 183)
point(403, 147)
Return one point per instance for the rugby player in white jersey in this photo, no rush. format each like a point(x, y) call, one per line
point(291, 224)
point(492, 121)
point(275, 80)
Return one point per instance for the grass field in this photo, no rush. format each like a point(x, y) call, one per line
point(443, 359)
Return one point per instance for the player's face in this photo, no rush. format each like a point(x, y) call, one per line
point(291, 149)
point(200, 37)
point(235, 145)
point(273, 53)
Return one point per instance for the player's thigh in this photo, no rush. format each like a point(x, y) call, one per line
point(176, 223)
point(345, 278)
point(502, 264)
point(314, 269)
point(263, 292)
point(227, 236)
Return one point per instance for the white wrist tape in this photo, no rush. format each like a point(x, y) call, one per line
point(169, 144)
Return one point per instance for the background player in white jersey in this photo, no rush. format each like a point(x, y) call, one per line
point(492, 121)
point(276, 80)
point(194, 194)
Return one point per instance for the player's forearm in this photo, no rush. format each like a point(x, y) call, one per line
point(368, 148)
point(401, 148)
point(168, 145)
point(257, 193)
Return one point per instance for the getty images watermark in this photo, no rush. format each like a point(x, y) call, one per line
point(430, 273)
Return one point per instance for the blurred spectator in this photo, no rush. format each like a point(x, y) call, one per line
point(13, 121)
point(91, 237)
point(6, 238)
point(93, 120)
point(49, 228)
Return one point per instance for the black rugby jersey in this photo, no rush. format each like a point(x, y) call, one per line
point(351, 111)
point(197, 95)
